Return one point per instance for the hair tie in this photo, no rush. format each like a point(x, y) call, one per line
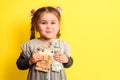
point(59, 9)
point(32, 12)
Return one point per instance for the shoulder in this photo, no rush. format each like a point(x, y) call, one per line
point(64, 42)
point(29, 43)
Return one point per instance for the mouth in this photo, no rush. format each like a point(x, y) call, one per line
point(48, 32)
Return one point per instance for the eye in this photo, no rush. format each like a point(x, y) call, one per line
point(42, 50)
point(53, 22)
point(38, 49)
point(43, 22)
point(52, 51)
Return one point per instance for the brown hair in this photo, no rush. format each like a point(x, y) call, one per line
point(38, 13)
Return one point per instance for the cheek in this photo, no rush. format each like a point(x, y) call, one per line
point(40, 28)
point(57, 29)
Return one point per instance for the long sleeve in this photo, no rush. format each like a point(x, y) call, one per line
point(23, 60)
point(23, 63)
point(69, 64)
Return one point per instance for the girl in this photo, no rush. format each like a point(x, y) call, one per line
point(46, 21)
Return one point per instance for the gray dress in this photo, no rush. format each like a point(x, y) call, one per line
point(31, 46)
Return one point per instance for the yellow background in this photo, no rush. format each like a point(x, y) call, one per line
point(92, 28)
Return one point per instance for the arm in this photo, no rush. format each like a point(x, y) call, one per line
point(69, 63)
point(23, 63)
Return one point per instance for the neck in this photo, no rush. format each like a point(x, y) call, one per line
point(46, 40)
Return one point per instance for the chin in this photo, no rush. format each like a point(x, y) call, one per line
point(48, 38)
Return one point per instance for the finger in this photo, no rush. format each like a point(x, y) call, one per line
point(56, 56)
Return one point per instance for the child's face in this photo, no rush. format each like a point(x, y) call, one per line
point(48, 26)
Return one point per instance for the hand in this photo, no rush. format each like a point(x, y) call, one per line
point(35, 58)
point(60, 58)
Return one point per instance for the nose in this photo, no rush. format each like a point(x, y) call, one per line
point(49, 26)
